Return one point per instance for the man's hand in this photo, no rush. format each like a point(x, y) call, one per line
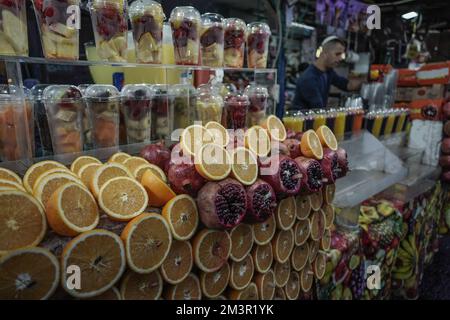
point(354, 84)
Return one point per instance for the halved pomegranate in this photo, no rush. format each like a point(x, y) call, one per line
point(261, 201)
point(293, 145)
point(184, 179)
point(342, 162)
point(312, 174)
point(330, 166)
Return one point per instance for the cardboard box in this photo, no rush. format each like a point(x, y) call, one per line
point(427, 109)
point(433, 92)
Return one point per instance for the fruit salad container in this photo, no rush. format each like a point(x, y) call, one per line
point(211, 40)
point(162, 112)
point(109, 22)
point(184, 102)
point(103, 103)
point(13, 29)
point(209, 105)
point(186, 23)
point(258, 96)
point(147, 19)
point(234, 42)
point(59, 36)
point(137, 111)
point(64, 106)
point(257, 44)
point(236, 109)
point(40, 114)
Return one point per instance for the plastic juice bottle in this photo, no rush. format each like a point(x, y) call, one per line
point(309, 120)
point(358, 121)
point(378, 122)
point(319, 119)
point(294, 121)
point(349, 118)
point(331, 116)
point(401, 121)
point(389, 123)
point(384, 122)
point(339, 124)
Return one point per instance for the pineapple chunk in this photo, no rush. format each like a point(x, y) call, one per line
point(48, 45)
point(66, 115)
point(16, 30)
point(121, 45)
point(66, 50)
point(63, 30)
point(6, 47)
point(105, 50)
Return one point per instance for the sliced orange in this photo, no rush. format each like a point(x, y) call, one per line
point(136, 286)
point(213, 284)
point(264, 231)
point(211, 249)
point(133, 162)
point(313, 250)
point(22, 221)
point(306, 278)
point(317, 225)
point(262, 257)
point(213, 162)
point(281, 272)
point(56, 170)
point(100, 257)
point(72, 210)
point(182, 216)
point(86, 173)
point(257, 141)
point(193, 138)
point(147, 240)
point(292, 288)
point(241, 241)
point(105, 173)
point(249, 293)
point(319, 265)
point(286, 213)
point(310, 145)
point(6, 174)
point(241, 273)
point(303, 206)
point(122, 198)
point(219, 133)
point(300, 257)
point(159, 193)
point(79, 162)
point(316, 201)
point(244, 166)
point(275, 127)
point(328, 213)
point(302, 231)
point(11, 185)
point(111, 294)
point(28, 274)
point(188, 289)
point(34, 172)
point(119, 157)
point(328, 192)
point(327, 137)
point(325, 242)
point(282, 245)
point(140, 170)
point(266, 285)
point(178, 263)
point(279, 294)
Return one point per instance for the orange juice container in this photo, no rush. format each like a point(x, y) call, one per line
point(294, 120)
point(401, 120)
point(339, 124)
point(390, 122)
point(320, 119)
point(378, 123)
point(330, 118)
point(358, 120)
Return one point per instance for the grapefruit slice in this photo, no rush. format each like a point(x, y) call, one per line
point(282, 245)
point(193, 138)
point(328, 193)
point(119, 157)
point(327, 138)
point(188, 289)
point(9, 175)
point(111, 294)
point(319, 265)
point(257, 141)
point(219, 133)
point(79, 162)
point(159, 193)
point(286, 213)
point(313, 250)
point(292, 287)
point(249, 293)
point(325, 242)
point(241, 273)
point(36, 170)
point(182, 216)
point(275, 127)
point(279, 294)
point(266, 285)
point(306, 278)
point(262, 257)
point(241, 241)
point(178, 263)
point(316, 201)
point(213, 162)
point(311, 146)
point(281, 272)
point(303, 207)
point(105, 173)
point(302, 231)
point(264, 231)
point(138, 172)
point(136, 286)
point(211, 249)
point(328, 212)
point(47, 185)
point(86, 172)
point(317, 225)
point(244, 167)
point(300, 257)
point(213, 284)
point(11, 185)
point(133, 162)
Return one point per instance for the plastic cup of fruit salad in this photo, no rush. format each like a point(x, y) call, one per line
point(147, 18)
point(13, 29)
point(137, 110)
point(211, 40)
point(234, 42)
point(184, 101)
point(64, 106)
point(59, 38)
point(162, 112)
point(257, 44)
point(109, 22)
point(258, 97)
point(209, 104)
point(185, 23)
point(236, 108)
point(41, 119)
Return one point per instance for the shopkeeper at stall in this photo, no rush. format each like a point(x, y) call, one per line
point(314, 84)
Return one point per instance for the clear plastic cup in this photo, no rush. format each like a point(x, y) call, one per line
point(185, 23)
point(211, 40)
point(234, 42)
point(137, 112)
point(87, 130)
point(257, 44)
point(40, 115)
point(236, 109)
point(184, 102)
point(209, 105)
point(147, 19)
point(258, 97)
point(13, 29)
point(103, 102)
point(64, 106)
point(59, 38)
point(109, 22)
point(162, 112)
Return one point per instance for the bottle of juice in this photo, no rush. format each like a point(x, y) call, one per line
point(369, 121)
point(331, 117)
point(378, 123)
point(309, 120)
point(358, 120)
point(339, 124)
point(384, 115)
point(319, 119)
point(293, 120)
point(401, 120)
point(389, 122)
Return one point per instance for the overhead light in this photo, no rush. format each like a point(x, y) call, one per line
point(302, 26)
point(410, 15)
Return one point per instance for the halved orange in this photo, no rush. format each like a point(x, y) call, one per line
point(282, 245)
point(257, 140)
point(317, 225)
point(34, 172)
point(319, 265)
point(133, 162)
point(6, 174)
point(300, 257)
point(8, 184)
point(249, 293)
point(136, 286)
point(241, 273)
point(188, 289)
point(241, 241)
point(178, 263)
point(286, 213)
point(219, 133)
point(306, 278)
point(193, 138)
point(303, 206)
point(105, 173)
point(159, 193)
point(279, 294)
point(292, 287)
point(211, 249)
point(86, 172)
point(56, 170)
point(262, 257)
point(328, 212)
point(28, 274)
point(72, 210)
point(316, 201)
point(111, 294)
point(213, 284)
point(313, 250)
point(266, 285)
point(147, 240)
point(213, 162)
point(327, 137)
point(264, 231)
point(140, 170)
point(122, 198)
point(182, 216)
point(100, 257)
point(325, 242)
point(244, 166)
point(328, 192)
point(310, 145)
point(22, 221)
point(79, 162)
point(302, 231)
point(275, 127)
point(119, 157)
point(281, 272)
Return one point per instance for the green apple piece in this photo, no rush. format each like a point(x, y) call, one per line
point(66, 50)
point(16, 30)
point(354, 262)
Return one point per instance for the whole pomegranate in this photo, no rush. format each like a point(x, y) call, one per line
point(279, 148)
point(157, 154)
point(444, 161)
point(261, 201)
point(293, 145)
point(445, 176)
point(312, 174)
point(447, 128)
point(342, 162)
point(330, 166)
point(184, 179)
point(446, 110)
point(445, 146)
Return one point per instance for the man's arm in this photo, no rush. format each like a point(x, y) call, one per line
point(354, 84)
point(307, 91)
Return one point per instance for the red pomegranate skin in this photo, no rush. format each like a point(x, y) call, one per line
point(444, 161)
point(310, 186)
point(446, 110)
point(279, 148)
point(293, 145)
point(329, 165)
point(184, 179)
point(445, 176)
point(445, 146)
point(447, 128)
point(265, 208)
point(342, 162)
point(157, 154)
